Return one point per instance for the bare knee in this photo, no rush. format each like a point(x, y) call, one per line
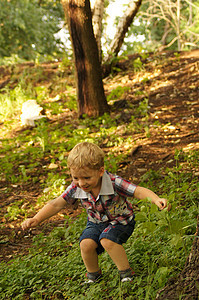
point(107, 244)
point(88, 245)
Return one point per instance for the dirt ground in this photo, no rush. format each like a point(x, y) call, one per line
point(171, 83)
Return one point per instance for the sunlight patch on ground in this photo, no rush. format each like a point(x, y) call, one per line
point(161, 84)
point(137, 78)
point(141, 76)
point(191, 146)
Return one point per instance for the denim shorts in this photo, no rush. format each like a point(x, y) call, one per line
point(117, 233)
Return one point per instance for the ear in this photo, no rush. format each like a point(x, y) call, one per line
point(101, 170)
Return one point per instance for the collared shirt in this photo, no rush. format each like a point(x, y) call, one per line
point(111, 205)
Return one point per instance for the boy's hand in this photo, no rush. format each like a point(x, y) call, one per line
point(29, 223)
point(161, 203)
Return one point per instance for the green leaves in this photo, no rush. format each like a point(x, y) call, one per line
point(161, 275)
point(28, 29)
point(162, 240)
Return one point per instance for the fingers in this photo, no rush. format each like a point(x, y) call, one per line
point(29, 223)
point(163, 203)
point(26, 224)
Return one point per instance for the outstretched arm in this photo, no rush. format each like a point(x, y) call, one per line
point(142, 193)
point(49, 210)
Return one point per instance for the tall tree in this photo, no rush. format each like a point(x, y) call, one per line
point(90, 91)
point(173, 24)
point(98, 11)
point(123, 27)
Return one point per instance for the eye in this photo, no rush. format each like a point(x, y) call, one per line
point(87, 177)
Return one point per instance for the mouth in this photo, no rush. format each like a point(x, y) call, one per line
point(85, 187)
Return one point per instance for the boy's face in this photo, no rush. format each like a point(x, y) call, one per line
point(87, 179)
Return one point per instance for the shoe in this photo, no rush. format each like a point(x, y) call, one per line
point(93, 277)
point(126, 275)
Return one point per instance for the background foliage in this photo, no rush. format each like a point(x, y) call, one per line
point(27, 28)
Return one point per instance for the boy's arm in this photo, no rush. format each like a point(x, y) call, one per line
point(142, 193)
point(49, 210)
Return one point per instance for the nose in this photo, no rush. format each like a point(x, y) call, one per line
point(81, 182)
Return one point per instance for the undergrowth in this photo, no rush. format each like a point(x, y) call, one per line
point(157, 251)
point(53, 269)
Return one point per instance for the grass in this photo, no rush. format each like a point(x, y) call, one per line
point(53, 269)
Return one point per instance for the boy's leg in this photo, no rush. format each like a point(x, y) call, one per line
point(89, 255)
point(119, 257)
point(90, 245)
point(112, 239)
point(117, 254)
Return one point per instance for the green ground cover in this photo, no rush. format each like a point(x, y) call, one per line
point(53, 268)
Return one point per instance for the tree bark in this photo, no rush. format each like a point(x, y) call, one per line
point(123, 27)
point(90, 92)
point(186, 286)
point(178, 24)
point(98, 11)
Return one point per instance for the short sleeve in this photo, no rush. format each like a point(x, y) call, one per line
point(69, 193)
point(124, 187)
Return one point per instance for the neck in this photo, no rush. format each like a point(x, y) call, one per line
point(95, 192)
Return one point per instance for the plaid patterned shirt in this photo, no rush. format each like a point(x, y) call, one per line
point(111, 204)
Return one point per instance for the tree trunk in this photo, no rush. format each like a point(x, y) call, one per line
point(123, 27)
point(178, 25)
point(167, 30)
point(90, 92)
point(186, 286)
point(98, 11)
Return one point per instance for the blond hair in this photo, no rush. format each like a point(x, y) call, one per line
point(86, 155)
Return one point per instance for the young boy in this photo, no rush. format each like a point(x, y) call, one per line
point(110, 215)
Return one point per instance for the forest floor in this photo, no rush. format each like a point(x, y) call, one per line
point(170, 81)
